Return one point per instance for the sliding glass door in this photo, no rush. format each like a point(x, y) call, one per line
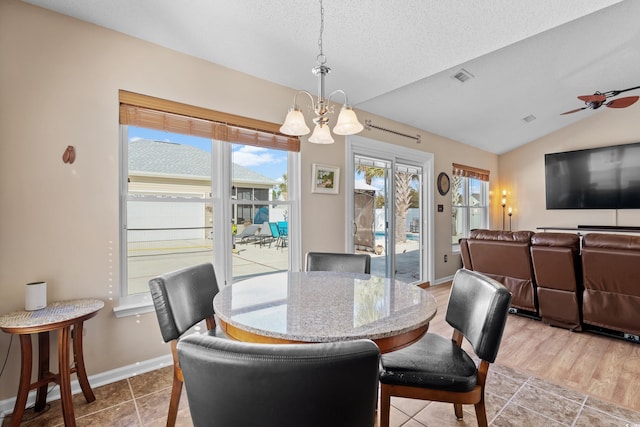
point(388, 209)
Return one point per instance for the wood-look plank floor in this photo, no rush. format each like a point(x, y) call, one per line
point(598, 366)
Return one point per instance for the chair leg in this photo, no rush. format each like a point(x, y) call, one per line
point(457, 408)
point(174, 403)
point(481, 413)
point(385, 406)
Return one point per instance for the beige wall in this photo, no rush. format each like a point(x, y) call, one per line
point(522, 170)
point(59, 82)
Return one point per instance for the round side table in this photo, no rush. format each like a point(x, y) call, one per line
point(60, 316)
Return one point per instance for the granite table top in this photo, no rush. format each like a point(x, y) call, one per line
point(55, 313)
point(324, 306)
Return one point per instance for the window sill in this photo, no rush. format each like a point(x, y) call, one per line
point(134, 305)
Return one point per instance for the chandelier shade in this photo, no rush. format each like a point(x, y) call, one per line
point(347, 124)
point(294, 123)
point(321, 135)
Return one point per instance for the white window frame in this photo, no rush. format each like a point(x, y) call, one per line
point(465, 207)
point(221, 197)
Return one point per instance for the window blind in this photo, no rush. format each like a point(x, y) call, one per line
point(155, 113)
point(470, 172)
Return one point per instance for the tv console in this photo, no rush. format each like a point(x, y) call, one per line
point(608, 227)
point(603, 228)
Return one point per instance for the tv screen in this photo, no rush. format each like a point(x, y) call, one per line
point(596, 178)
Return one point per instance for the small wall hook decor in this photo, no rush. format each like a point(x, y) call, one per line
point(69, 155)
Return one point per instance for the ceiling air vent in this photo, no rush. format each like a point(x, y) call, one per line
point(462, 75)
point(529, 118)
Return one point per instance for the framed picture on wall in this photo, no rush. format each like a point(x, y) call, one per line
point(325, 179)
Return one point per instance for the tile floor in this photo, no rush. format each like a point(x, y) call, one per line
point(513, 399)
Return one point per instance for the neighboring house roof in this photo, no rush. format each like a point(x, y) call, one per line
point(173, 159)
point(361, 184)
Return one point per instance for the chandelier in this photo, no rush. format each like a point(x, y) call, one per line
point(347, 124)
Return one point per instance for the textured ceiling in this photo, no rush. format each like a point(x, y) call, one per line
point(395, 58)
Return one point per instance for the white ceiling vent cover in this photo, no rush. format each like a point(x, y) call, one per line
point(462, 75)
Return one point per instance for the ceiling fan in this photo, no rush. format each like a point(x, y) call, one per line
point(598, 99)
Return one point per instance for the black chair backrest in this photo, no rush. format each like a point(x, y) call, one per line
point(478, 308)
point(233, 383)
point(183, 298)
point(341, 262)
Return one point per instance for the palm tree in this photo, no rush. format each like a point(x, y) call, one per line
point(404, 194)
point(281, 188)
point(403, 202)
point(370, 172)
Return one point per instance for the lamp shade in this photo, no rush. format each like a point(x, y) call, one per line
point(321, 135)
point(348, 123)
point(294, 123)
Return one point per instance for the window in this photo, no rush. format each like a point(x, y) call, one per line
point(191, 183)
point(469, 201)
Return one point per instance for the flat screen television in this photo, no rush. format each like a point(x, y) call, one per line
point(595, 178)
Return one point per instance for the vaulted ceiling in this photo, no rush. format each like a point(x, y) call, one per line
point(397, 58)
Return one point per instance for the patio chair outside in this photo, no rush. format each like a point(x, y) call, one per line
point(248, 234)
point(277, 235)
point(265, 235)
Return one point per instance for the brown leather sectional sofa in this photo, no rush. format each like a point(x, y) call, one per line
point(554, 278)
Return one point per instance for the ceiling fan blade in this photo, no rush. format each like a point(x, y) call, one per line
point(573, 111)
point(622, 102)
point(592, 98)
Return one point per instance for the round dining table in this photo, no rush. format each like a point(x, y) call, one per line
point(311, 307)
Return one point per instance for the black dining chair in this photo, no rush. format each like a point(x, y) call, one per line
point(437, 368)
point(181, 299)
point(341, 262)
point(233, 383)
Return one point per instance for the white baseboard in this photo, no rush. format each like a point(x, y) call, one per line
point(97, 380)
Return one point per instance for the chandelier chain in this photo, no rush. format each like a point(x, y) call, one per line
point(321, 58)
point(347, 123)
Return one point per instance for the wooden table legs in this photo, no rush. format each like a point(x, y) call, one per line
point(64, 374)
point(25, 380)
point(78, 358)
point(45, 376)
point(43, 368)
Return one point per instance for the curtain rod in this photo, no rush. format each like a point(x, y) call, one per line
point(368, 126)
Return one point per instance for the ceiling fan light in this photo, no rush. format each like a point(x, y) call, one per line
point(294, 123)
point(321, 135)
point(348, 123)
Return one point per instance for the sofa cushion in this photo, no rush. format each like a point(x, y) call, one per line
point(509, 236)
point(611, 241)
point(566, 240)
